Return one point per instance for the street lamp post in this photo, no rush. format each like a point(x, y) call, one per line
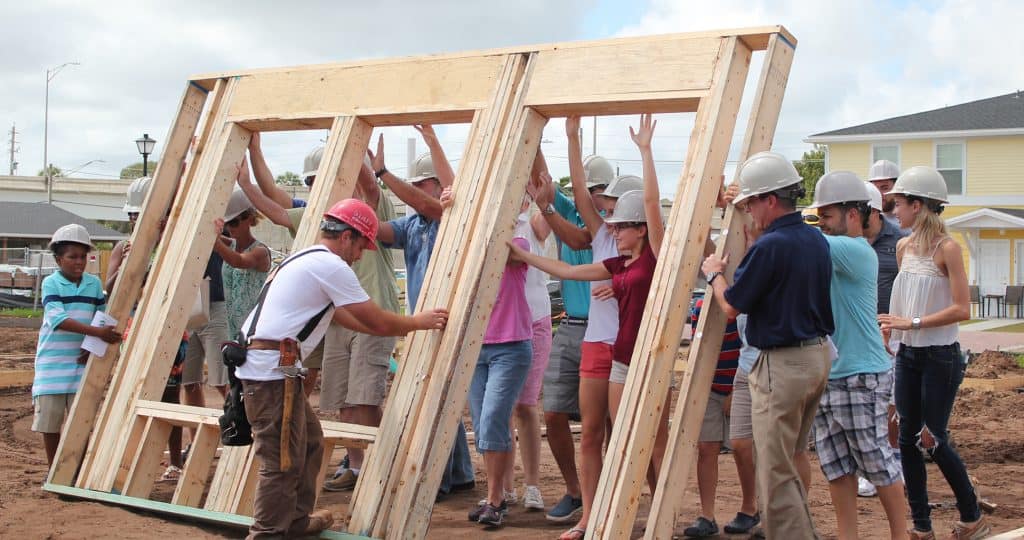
point(50, 74)
point(145, 145)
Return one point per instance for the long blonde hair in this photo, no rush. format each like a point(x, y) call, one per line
point(928, 227)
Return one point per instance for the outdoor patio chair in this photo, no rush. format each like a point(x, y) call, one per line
point(1014, 296)
point(975, 292)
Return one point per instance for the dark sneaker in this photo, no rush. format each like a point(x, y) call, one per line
point(568, 509)
point(480, 510)
point(701, 528)
point(742, 523)
point(491, 515)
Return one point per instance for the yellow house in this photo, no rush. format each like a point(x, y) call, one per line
point(979, 148)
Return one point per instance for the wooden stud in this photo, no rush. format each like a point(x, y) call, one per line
point(245, 495)
point(707, 342)
point(176, 284)
point(98, 370)
point(232, 459)
point(644, 396)
point(325, 463)
point(384, 469)
point(461, 342)
point(194, 476)
point(146, 465)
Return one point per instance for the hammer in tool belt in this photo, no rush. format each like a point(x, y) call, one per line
point(289, 353)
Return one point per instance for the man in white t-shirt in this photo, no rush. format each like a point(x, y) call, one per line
point(316, 281)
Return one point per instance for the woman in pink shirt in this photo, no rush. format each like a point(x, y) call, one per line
point(639, 230)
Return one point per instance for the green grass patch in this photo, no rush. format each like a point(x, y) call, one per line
point(1017, 328)
point(21, 313)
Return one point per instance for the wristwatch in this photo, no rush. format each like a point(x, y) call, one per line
point(381, 172)
point(547, 211)
point(915, 323)
point(711, 277)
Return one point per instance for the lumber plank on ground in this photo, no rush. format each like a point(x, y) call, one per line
point(16, 377)
point(704, 351)
point(644, 396)
point(83, 415)
point(197, 514)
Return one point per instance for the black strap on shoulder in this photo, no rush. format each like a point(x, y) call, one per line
point(266, 287)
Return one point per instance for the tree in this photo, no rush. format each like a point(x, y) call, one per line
point(134, 170)
point(811, 167)
point(54, 171)
point(288, 178)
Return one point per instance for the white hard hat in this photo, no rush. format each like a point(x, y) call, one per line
point(312, 162)
point(883, 169)
point(923, 182)
point(765, 172)
point(422, 169)
point(72, 233)
point(137, 195)
point(237, 204)
point(598, 171)
point(629, 208)
point(622, 184)
point(838, 187)
point(874, 196)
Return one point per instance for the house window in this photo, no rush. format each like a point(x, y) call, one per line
point(890, 152)
point(949, 160)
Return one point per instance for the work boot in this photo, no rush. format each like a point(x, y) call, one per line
point(319, 521)
point(920, 535)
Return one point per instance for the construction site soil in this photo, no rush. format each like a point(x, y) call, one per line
point(987, 427)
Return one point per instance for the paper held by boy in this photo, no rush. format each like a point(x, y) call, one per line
point(94, 344)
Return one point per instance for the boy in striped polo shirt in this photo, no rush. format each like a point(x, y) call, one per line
point(715, 427)
point(70, 299)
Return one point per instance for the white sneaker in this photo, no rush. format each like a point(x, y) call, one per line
point(532, 499)
point(865, 488)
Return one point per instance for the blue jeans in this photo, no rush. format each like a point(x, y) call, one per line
point(459, 470)
point(500, 374)
point(927, 379)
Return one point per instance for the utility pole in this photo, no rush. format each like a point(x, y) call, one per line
point(14, 149)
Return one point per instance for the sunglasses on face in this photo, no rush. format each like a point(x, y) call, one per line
point(237, 219)
point(133, 216)
point(624, 226)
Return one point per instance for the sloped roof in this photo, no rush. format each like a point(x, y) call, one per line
point(41, 220)
point(1000, 112)
point(988, 218)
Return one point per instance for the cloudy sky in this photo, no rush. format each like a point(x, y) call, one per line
point(856, 62)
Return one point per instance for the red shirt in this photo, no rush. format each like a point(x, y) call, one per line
point(631, 284)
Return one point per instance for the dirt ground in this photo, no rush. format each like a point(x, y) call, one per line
point(988, 429)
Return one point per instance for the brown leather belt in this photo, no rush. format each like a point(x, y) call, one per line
point(264, 345)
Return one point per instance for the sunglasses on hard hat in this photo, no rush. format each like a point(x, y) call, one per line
point(237, 219)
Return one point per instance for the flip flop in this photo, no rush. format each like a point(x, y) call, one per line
point(574, 533)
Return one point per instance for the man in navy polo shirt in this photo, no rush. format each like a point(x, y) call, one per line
point(782, 284)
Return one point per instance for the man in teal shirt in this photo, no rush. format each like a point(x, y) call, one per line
point(850, 428)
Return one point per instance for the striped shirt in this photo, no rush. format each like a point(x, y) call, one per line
point(57, 369)
point(728, 358)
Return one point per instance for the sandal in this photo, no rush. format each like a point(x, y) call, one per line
point(171, 474)
point(575, 533)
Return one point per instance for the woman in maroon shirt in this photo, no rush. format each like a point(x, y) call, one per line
point(639, 230)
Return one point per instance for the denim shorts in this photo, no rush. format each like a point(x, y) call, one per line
point(500, 374)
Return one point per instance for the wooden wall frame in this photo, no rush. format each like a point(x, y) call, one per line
point(117, 429)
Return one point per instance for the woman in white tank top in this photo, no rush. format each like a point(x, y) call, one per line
point(929, 299)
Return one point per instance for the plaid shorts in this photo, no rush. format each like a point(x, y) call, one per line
point(851, 429)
